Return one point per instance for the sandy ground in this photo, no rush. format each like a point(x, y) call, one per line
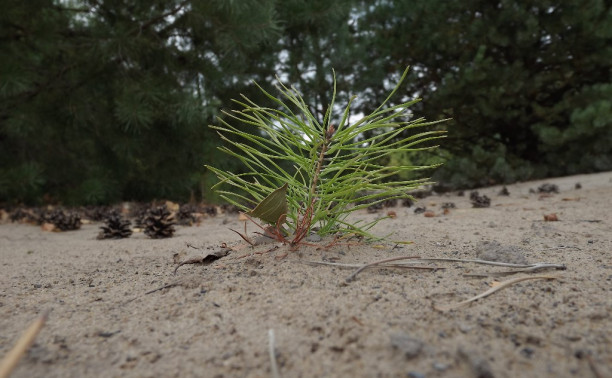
point(213, 320)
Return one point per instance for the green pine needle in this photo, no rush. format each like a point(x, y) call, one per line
point(330, 167)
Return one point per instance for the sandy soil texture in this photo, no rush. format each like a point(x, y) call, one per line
point(108, 320)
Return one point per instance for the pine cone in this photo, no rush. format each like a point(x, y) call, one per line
point(390, 202)
point(23, 215)
point(478, 200)
point(210, 210)
point(407, 202)
point(548, 188)
point(63, 221)
point(375, 207)
point(230, 209)
point(116, 227)
point(159, 223)
point(187, 215)
point(139, 212)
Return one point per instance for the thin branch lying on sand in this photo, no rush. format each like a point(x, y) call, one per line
point(381, 266)
point(520, 268)
point(168, 286)
point(497, 263)
point(272, 352)
point(532, 269)
point(355, 273)
point(10, 361)
point(492, 290)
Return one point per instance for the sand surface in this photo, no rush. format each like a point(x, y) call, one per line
point(107, 320)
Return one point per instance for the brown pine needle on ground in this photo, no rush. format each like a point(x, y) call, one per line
point(492, 290)
point(13, 357)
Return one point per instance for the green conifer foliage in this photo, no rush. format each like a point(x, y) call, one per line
point(102, 101)
point(527, 83)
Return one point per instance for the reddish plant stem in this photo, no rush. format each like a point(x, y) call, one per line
point(315, 180)
point(304, 226)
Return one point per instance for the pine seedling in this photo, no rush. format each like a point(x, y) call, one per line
point(303, 174)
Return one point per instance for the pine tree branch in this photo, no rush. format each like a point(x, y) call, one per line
point(162, 16)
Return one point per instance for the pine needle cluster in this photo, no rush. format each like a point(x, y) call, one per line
point(324, 170)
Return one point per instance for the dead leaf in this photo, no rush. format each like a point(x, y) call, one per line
point(492, 290)
point(206, 260)
point(551, 217)
point(271, 208)
point(429, 214)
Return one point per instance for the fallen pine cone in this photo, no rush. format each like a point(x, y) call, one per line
point(61, 221)
point(116, 227)
point(479, 201)
point(159, 223)
point(548, 188)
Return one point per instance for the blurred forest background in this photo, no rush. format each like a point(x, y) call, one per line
point(109, 100)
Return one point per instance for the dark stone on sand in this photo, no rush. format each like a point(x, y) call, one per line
point(409, 346)
point(548, 188)
point(420, 210)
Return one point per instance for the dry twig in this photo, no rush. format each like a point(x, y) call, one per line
point(272, 351)
point(355, 273)
point(25, 341)
point(382, 266)
point(492, 290)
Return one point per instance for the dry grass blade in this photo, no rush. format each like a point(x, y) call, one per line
point(25, 341)
point(382, 266)
point(355, 273)
point(535, 268)
point(244, 237)
point(272, 352)
point(494, 263)
point(492, 290)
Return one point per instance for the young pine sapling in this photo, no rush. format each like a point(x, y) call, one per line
point(303, 174)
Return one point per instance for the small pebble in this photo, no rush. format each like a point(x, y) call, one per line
point(416, 374)
point(527, 352)
point(439, 366)
point(410, 346)
point(313, 238)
